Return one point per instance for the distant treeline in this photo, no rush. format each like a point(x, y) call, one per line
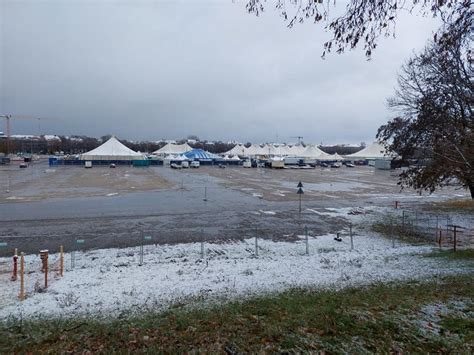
point(81, 144)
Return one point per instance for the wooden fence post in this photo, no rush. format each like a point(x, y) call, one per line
point(44, 259)
point(61, 261)
point(15, 266)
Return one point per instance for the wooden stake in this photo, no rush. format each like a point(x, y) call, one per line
point(22, 277)
point(61, 261)
point(44, 259)
point(15, 266)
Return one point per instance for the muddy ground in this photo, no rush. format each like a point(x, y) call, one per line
point(46, 207)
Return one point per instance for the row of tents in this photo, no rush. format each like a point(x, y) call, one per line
point(371, 152)
point(114, 150)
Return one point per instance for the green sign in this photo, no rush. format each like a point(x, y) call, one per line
point(80, 241)
point(3, 244)
point(147, 237)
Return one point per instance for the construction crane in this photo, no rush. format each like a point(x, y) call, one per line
point(8, 119)
point(300, 139)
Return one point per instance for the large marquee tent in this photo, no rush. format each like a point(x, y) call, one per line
point(112, 150)
point(371, 152)
point(239, 150)
point(171, 148)
point(311, 151)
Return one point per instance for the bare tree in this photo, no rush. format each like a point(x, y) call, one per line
point(364, 21)
point(435, 98)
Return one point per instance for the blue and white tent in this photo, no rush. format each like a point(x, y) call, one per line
point(201, 155)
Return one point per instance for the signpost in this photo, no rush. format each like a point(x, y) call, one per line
point(3, 244)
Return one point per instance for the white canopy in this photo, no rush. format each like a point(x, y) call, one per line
point(311, 151)
point(171, 148)
point(239, 149)
point(373, 151)
point(296, 150)
point(256, 149)
point(328, 157)
point(112, 150)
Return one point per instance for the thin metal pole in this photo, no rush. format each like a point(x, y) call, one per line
point(392, 234)
point(307, 239)
point(61, 261)
point(300, 205)
point(141, 254)
point(350, 233)
point(403, 220)
point(437, 227)
point(256, 246)
point(454, 249)
point(202, 244)
point(22, 277)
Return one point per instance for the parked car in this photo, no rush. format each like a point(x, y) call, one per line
point(324, 165)
point(195, 164)
point(112, 166)
point(350, 165)
point(23, 165)
point(175, 166)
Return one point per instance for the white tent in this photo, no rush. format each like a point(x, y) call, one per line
point(112, 150)
point(231, 158)
point(371, 152)
point(326, 157)
point(255, 150)
point(311, 151)
point(296, 150)
point(239, 149)
point(171, 148)
point(284, 150)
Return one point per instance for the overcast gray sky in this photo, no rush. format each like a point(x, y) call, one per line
point(167, 69)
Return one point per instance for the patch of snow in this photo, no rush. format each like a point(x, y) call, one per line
point(109, 281)
point(268, 212)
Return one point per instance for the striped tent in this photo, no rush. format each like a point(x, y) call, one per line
point(199, 154)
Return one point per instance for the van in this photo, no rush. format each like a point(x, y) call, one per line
point(195, 164)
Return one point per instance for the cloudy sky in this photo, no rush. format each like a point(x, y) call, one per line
point(168, 69)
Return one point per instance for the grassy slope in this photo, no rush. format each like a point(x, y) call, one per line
point(380, 318)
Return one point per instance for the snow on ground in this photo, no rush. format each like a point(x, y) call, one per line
point(108, 281)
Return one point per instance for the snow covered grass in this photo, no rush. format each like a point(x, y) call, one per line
point(108, 282)
point(413, 317)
